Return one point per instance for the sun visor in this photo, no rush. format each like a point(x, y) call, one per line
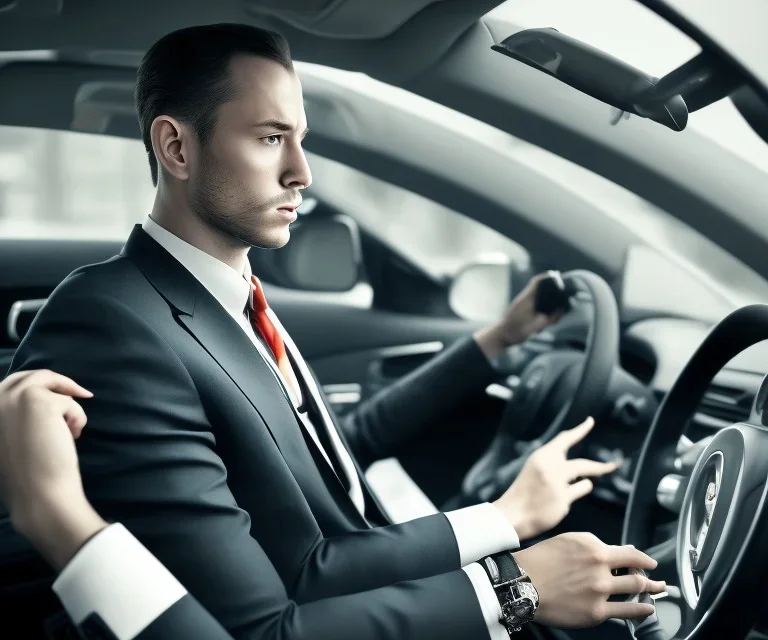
point(69, 96)
point(350, 19)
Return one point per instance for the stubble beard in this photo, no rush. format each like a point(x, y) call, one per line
point(216, 203)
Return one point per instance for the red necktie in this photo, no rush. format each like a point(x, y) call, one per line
point(272, 337)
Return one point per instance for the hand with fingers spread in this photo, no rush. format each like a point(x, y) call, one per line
point(40, 480)
point(573, 574)
point(549, 484)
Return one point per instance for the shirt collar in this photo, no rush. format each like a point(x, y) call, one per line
point(231, 289)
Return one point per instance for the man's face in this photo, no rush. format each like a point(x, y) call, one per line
point(254, 164)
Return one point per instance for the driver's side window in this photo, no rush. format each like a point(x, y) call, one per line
point(408, 232)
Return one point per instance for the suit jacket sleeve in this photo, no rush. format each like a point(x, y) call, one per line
point(114, 589)
point(186, 619)
point(149, 460)
point(388, 420)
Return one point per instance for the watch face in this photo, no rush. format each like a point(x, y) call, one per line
point(518, 611)
point(523, 609)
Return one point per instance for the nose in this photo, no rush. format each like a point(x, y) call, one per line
point(298, 174)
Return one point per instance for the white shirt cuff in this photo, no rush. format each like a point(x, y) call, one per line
point(482, 530)
point(489, 603)
point(116, 577)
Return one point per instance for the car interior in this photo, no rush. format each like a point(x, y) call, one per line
point(454, 113)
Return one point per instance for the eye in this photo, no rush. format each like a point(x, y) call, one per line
point(273, 141)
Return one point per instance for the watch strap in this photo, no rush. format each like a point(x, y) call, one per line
point(502, 568)
point(508, 567)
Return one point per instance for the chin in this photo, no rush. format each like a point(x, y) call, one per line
point(275, 240)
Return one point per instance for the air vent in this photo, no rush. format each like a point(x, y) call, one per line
point(726, 404)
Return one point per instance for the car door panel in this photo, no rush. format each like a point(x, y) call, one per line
point(364, 347)
point(370, 370)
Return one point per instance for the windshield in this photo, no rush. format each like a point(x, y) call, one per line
point(633, 33)
point(722, 271)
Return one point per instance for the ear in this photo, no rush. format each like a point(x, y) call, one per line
point(171, 143)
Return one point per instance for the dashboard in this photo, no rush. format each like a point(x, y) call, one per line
point(665, 345)
point(667, 311)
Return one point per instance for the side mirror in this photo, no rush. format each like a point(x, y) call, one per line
point(482, 289)
point(323, 254)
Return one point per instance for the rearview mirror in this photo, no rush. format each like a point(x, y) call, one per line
point(703, 80)
point(482, 289)
point(595, 73)
point(323, 254)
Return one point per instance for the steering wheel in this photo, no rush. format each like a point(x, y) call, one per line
point(722, 533)
point(575, 381)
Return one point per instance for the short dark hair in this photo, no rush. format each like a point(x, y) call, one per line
point(185, 75)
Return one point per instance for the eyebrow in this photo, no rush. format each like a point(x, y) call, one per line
point(279, 125)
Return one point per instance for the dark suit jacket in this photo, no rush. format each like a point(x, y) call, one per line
point(193, 446)
point(186, 619)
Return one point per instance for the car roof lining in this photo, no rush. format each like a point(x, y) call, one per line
point(349, 19)
point(346, 19)
point(409, 48)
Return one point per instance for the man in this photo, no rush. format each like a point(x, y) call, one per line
point(41, 486)
point(208, 437)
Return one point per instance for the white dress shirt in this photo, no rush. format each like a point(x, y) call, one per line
point(480, 530)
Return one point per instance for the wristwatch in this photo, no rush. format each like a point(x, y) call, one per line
point(517, 595)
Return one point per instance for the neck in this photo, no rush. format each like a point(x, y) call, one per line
point(175, 216)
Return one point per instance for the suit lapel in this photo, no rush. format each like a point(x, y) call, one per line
point(309, 383)
point(348, 466)
point(226, 342)
point(374, 511)
point(228, 345)
point(336, 434)
point(217, 332)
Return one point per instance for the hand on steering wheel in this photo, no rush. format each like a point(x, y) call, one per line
point(575, 384)
point(549, 483)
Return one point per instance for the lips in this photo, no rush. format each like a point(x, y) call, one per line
point(289, 212)
point(290, 207)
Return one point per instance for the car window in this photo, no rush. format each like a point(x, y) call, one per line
point(434, 237)
point(62, 184)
